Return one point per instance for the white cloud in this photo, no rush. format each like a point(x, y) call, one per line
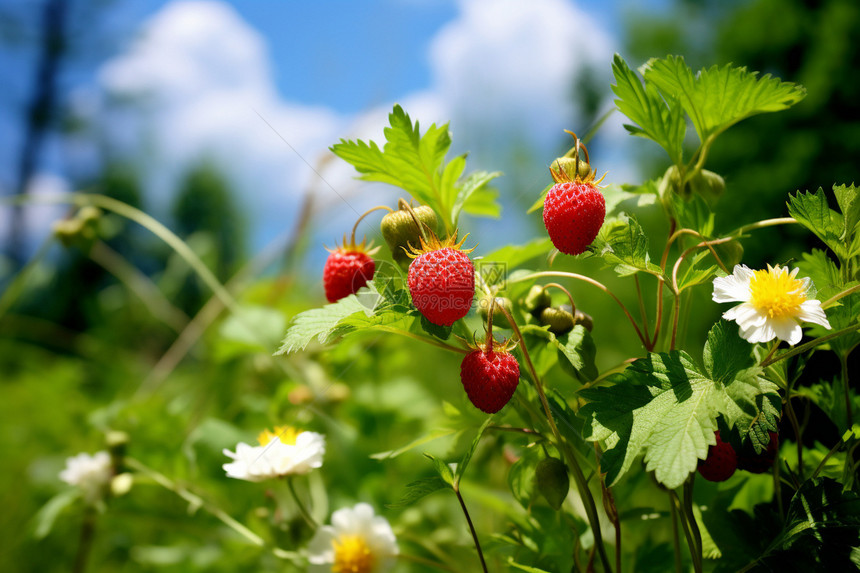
point(501, 72)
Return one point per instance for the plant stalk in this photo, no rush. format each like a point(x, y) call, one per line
point(471, 527)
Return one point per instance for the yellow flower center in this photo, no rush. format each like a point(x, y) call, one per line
point(776, 292)
point(286, 434)
point(352, 555)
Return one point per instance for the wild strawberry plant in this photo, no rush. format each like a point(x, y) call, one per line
point(592, 455)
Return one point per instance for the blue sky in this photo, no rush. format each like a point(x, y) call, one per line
point(316, 71)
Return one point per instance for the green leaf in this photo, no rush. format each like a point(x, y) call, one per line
point(622, 242)
point(522, 474)
point(320, 323)
point(419, 489)
point(849, 203)
point(823, 271)
point(665, 407)
point(752, 405)
point(467, 457)
point(251, 329)
point(726, 353)
point(701, 269)
point(658, 119)
point(822, 521)
point(578, 347)
point(475, 197)
point(811, 211)
point(48, 513)
point(662, 406)
point(407, 160)
point(443, 469)
point(693, 213)
point(718, 97)
point(433, 435)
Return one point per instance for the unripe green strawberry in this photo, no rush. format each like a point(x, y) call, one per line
point(721, 463)
point(536, 300)
point(552, 481)
point(400, 231)
point(559, 319)
point(442, 280)
point(568, 166)
point(499, 317)
point(707, 184)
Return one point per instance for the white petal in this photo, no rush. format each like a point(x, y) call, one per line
point(811, 311)
point(321, 548)
point(758, 334)
point(344, 521)
point(746, 315)
point(787, 329)
point(734, 287)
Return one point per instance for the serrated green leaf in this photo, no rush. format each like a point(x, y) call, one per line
point(467, 457)
point(718, 97)
point(475, 197)
point(435, 330)
point(658, 119)
point(848, 199)
point(407, 160)
point(693, 213)
point(830, 397)
point(824, 273)
point(579, 349)
point(448, 184)
point(622, 243)
point(250, 328)
point(726, 353)
point(320, 323)
point(701, 269)
point(420, 489)
point(811, 211)
point(821, 518)
point(443, 469)
point(752, 404)
point(661, 406)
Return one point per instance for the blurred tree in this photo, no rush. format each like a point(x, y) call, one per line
point(814, 144)
point(40, 112)
point(206, 214)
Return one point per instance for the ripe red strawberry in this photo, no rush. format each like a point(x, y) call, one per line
point(490, 378)
point(345, 272)
point(721, 461)
point(573, 213)
point(760, 463)
point(442, 280)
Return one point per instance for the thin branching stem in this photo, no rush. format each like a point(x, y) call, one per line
point(592, 282)
point(649, 344)
point(85, 540)
point(302, 509)
point(573, 464)
point(811, 344)
point(471, 527)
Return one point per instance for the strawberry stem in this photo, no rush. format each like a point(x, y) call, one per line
point(567, 292)
point(363, 215)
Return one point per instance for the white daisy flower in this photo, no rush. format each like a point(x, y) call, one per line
point(90, 474)
point(284, 451)
point(775, 303)
point(357, 541)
